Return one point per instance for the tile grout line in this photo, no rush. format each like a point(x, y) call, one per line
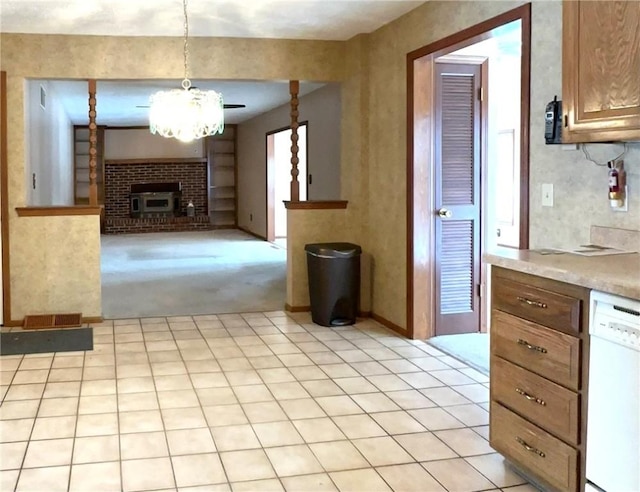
point(288, 331)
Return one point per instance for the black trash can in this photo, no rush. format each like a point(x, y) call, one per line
point(334, 282)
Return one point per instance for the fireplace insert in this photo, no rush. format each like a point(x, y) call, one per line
point(152, 200)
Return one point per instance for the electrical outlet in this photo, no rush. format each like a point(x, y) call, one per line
point(625, 203)
point(547, 195)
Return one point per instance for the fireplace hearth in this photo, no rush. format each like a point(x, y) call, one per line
point(155, 200)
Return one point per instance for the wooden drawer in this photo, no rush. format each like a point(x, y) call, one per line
point(537, 399)
point(536, 304)
point(547, 352)
point(536, 451)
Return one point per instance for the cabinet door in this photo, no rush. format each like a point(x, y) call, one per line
point(601, 71)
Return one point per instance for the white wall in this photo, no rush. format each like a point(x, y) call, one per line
point(49, 135)
point(141, 144)
point(322, 110)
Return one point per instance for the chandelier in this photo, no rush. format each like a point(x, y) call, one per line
point(186, 114)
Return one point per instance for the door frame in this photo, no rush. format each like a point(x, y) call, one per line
point(4, 205)
point(270, 178)
point(420, 157)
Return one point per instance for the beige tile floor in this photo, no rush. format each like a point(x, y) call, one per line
point(246, 402)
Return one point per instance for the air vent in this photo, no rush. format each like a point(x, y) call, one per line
point(41, 321)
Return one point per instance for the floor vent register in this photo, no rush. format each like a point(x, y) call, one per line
point(42, 321)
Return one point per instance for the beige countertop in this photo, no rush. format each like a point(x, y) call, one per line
point(615, 274)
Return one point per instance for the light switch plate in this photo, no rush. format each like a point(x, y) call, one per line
point(547, 194)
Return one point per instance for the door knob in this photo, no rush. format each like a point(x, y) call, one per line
point(445, 213)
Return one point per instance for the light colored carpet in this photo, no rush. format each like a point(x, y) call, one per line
point(186, 273)
point(471, 348)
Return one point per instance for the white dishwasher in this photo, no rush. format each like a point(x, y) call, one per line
point(613, 420)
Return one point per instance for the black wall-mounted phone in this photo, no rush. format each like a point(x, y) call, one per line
point(553, 122)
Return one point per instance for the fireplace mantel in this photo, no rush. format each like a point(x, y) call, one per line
point(164, 160)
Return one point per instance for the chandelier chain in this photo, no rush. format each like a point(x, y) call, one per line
point(186, 41)
point(186, 114)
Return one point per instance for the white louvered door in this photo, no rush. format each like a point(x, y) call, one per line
point(457, 195)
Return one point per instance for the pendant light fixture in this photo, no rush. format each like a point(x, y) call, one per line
point(189, 113)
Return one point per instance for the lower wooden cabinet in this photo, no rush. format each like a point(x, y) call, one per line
point(535, 450)
point(539, 345)
point(550, 353)
point(539, 400)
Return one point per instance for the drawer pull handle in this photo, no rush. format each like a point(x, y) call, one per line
point(531, 449)
point(539, 401)
point(529, 302)
point(542, 350)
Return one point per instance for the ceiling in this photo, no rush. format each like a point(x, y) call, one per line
point(282, 19)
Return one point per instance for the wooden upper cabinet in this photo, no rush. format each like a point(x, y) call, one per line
point(601, 71)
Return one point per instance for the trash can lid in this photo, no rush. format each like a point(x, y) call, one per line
point(333, 250)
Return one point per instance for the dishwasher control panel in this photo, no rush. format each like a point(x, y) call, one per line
point(616, 319)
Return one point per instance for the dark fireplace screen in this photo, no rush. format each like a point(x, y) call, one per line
point(150, 200)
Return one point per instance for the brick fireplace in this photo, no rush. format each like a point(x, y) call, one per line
point(119, 177)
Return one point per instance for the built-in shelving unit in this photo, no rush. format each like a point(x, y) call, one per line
point(81, 165)
point(221, 156)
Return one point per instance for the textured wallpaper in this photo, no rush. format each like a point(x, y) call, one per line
point(55, 262)
point(56, 266)
point(306, 227)
point(373, 71)
point(580, 187)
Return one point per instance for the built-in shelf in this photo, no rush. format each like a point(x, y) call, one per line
point(221, 156)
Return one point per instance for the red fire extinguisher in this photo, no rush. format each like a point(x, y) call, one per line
point(615, 196)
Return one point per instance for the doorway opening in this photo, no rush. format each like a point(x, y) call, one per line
point(279, 179)
point(467, 170)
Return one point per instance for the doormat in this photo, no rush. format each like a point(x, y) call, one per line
point(470, 348)
point(36, 342)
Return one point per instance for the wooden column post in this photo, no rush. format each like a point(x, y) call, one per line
point(294, 87)
point(93, 145)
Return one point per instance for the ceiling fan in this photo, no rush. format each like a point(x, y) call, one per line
point(226, 106)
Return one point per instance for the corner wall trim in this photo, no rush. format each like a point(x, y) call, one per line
point(92, 319)
point(389, 324)
point(296, 309)
point(58, 211)
point(252, 233)
point(316, 205)
point(4, 204)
